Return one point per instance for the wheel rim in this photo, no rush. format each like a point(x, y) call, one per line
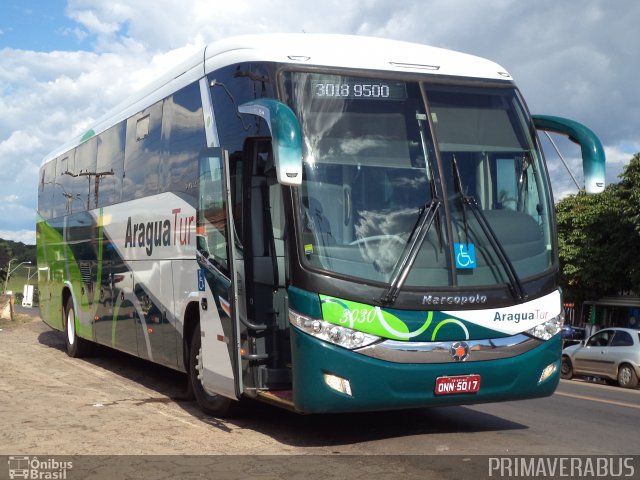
point(71, 326)
point(564, 368)
point(199, 367)
point(625, 375)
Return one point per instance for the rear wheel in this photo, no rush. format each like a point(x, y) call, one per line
point(215, 405)
point(76, 346)
point(627, 377)
point(566, 369)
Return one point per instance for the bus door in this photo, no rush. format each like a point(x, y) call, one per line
point(264, 332)
point(217, 283)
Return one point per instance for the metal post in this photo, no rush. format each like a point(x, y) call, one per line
point(6, 278)
point(9, 272)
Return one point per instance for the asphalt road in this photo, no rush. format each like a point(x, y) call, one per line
point(116, 404)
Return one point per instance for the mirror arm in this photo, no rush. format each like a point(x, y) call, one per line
point(593, 157)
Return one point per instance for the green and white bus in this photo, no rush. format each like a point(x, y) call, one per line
point(328, 223)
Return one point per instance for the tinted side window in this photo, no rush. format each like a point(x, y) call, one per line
point(143, 154)
point(622, 339)
point(233, 86)
point(183, 133)
point(45, 192)
point(110, 165)
point(64, 187)
point(84, 176)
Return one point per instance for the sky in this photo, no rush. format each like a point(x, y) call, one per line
point(65, 63)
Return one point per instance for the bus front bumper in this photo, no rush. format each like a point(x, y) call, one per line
point(331, 379)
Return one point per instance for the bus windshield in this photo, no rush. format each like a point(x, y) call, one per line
point(378, 153)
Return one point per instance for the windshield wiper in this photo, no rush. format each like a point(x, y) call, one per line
point(410, 252)
point(428, 214)
point(469, 201)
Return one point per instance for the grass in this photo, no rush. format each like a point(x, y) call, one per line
point(18, 279)
point(16, 284)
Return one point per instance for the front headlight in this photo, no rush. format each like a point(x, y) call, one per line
point(342, 336)
point(548, 329)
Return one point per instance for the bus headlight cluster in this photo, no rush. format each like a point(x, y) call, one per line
point(338, 335)
point(548, 329)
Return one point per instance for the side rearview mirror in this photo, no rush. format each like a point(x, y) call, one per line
point(593, 158)
point(286, 137)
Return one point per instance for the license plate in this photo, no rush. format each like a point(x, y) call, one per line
point(459, 384)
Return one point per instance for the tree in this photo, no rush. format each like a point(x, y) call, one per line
point(598, 236)
point(629, 193)
point(596, 245)
point(16, 251)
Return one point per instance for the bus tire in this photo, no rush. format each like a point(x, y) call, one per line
point(76, 347)
point(214, 405)
point(627, 377)
point(566, 368)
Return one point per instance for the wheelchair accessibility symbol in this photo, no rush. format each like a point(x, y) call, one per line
point(465, 255)
point(201, 282)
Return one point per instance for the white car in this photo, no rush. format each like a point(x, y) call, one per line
point(612, 354)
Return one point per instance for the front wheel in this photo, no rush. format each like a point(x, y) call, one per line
point(76, 346)
point(627, 377)
point(215, 405)
point(566, 369)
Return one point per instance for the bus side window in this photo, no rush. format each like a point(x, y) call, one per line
point(143, 153)
point(84, 183)
point(232, 86)
point(110, 159)
point(63, 197)
point(47, 187)
point(183, 134)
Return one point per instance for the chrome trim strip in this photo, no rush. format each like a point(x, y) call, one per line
point(438, 352)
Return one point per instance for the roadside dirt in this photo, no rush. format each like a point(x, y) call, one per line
point(110, 403)
point(87, 410)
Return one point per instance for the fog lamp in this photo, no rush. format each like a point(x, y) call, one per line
point(338, 384)
point(548, 371)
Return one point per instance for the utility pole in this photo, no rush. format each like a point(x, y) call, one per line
point(10, 271)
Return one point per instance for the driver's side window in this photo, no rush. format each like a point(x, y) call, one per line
point(600, 339)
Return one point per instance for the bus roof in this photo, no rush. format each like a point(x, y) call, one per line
point(300, 49)
point(350, 51)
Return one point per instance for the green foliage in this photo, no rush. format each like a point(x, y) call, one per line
point(630, 191)
point(17, 251)
point(598, 237)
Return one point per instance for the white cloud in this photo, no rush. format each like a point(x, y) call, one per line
point(28, 237)
point(46, 99)
point(617, 158)
point(575, 62)
point(89, 20)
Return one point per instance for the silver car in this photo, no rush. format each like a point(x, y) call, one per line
point(612, 354)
